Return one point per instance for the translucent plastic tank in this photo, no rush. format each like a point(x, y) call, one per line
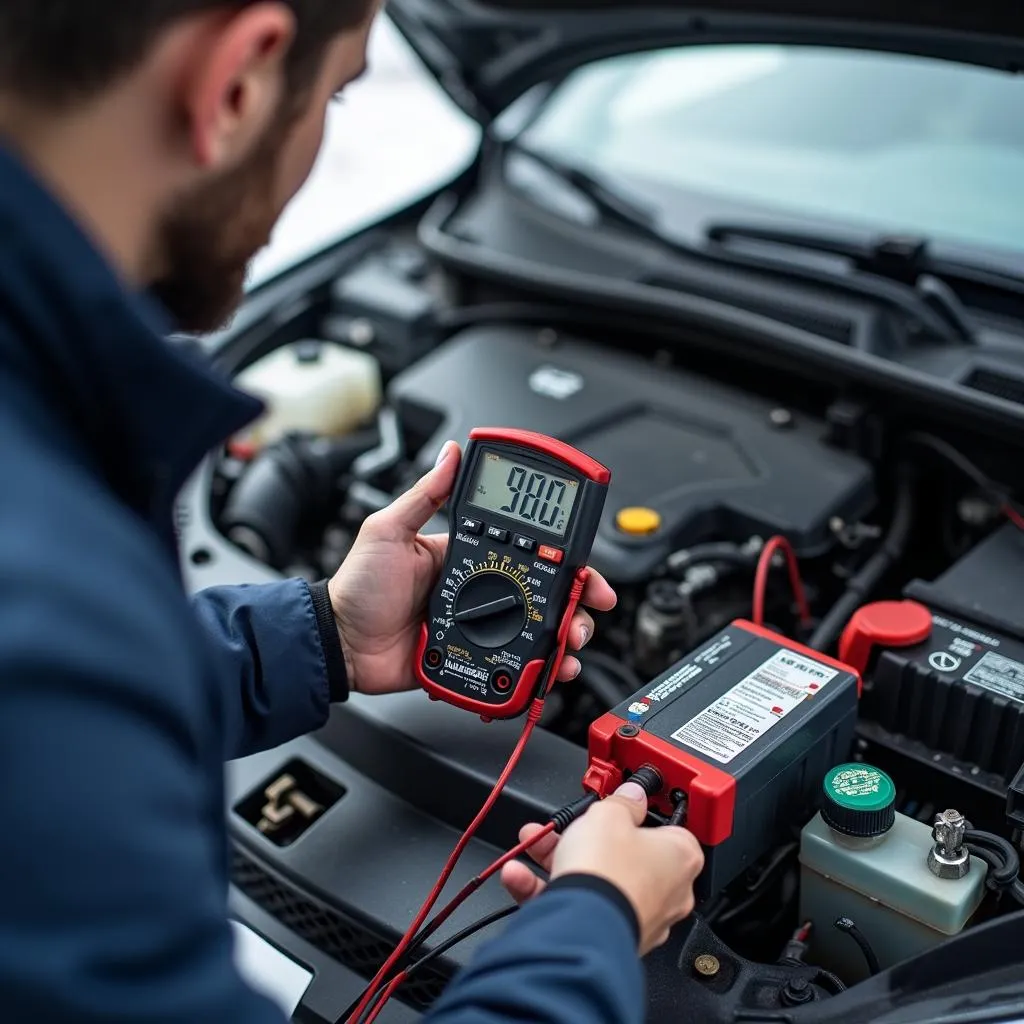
point(860, 859)
point(312, 387)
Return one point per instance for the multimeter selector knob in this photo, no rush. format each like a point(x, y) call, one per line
point(490, 610)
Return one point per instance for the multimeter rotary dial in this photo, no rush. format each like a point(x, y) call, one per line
point(491, 606)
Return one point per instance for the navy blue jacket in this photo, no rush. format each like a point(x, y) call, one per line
point(121, 697)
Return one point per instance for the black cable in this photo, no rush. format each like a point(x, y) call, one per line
point(844, 924)
point(612, 665)
point(954, 458)
point(826, 979)
point(562, 818)
point(991, 858)
point(444, 947)
point(998, 845)
point(602, 685)
point(870, 574)
point(678, 816)
point(460, 936)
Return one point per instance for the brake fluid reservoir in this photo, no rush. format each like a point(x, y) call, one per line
point(860, 859)
point(313, 387)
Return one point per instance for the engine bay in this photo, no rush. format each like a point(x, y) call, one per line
point(885, 510)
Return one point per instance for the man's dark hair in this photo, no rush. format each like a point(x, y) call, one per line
point(58, 52)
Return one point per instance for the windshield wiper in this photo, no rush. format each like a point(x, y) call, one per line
point(905, 259)
point(927, 300)
point(605, 200)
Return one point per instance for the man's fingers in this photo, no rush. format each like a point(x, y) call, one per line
point(409, 513)
point(581, 631)
point(520, 882)
point(569, 669)
point(544, 849)
point(598, 593)
point(631, 798)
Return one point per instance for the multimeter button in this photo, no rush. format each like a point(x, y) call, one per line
point(501, 680)
point(524, 543)
point(433, 658)
point(497, 533)
point(550, 554)
point(473, 526)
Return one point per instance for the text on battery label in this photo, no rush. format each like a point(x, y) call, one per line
point(674, 681)
point(999, 674)
point(754, 705)
point(959, 627)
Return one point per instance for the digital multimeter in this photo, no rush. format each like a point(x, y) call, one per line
point(523, 515)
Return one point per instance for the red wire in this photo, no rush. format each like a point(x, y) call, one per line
point(388, 993)
point(764, 565)
point(536, 709)
point(1013, 515)
point(467, 890)
point(489, 872)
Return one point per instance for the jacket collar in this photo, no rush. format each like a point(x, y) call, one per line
point(144, 410)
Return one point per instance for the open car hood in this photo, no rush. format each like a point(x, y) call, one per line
point(486, 53)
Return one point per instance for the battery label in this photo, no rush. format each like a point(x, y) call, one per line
point(754, 705)
point(999, 674)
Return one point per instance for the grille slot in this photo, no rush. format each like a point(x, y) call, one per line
point(341, 937)
point(1002, 385)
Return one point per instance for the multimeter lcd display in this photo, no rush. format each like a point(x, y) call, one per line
point(530, 495)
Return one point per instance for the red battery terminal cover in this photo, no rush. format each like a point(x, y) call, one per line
point(880, 625)
point(618, 747)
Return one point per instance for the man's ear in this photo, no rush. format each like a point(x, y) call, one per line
point(236, 82)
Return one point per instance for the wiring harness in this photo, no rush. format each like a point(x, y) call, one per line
point(397, 968)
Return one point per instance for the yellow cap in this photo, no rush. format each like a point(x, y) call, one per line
point(638, 521)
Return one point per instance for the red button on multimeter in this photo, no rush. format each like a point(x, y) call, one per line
point(524, 514)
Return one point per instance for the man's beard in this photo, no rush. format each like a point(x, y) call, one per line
point(210, 235)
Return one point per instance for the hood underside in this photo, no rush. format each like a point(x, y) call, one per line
point(488, 54)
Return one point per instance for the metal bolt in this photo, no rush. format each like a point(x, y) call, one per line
point(628, 731)
point(797, 991)
point(949, 858)
point(780, 418)
point(707, 965)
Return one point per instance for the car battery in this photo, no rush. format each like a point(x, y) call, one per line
point(949, 694)
point(744, 730)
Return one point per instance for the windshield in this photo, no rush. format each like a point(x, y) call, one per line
point(883, 142)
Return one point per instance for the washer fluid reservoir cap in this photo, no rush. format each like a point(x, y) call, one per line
point(860, 801)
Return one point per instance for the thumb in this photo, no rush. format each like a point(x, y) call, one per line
point(632, 797)
point(412, 511)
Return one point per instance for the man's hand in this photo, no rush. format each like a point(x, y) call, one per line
point(655, 868)
point(380, 592)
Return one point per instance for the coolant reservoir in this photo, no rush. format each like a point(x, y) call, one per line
point(862, 860)
point(311, 386)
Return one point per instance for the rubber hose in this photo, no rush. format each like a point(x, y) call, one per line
point(601, 685)
point(871, 573)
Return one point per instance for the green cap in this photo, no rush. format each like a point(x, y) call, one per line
point(860, 800)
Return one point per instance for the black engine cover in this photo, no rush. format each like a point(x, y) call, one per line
point(708, 459)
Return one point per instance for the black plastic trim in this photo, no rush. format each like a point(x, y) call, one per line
point(758, 337)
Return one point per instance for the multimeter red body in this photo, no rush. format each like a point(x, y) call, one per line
point(524, 514)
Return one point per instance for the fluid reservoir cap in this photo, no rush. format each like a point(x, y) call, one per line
point(860, 801)
point(638, 522)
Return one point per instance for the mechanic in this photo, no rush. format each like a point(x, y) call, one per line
point(146, 151)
